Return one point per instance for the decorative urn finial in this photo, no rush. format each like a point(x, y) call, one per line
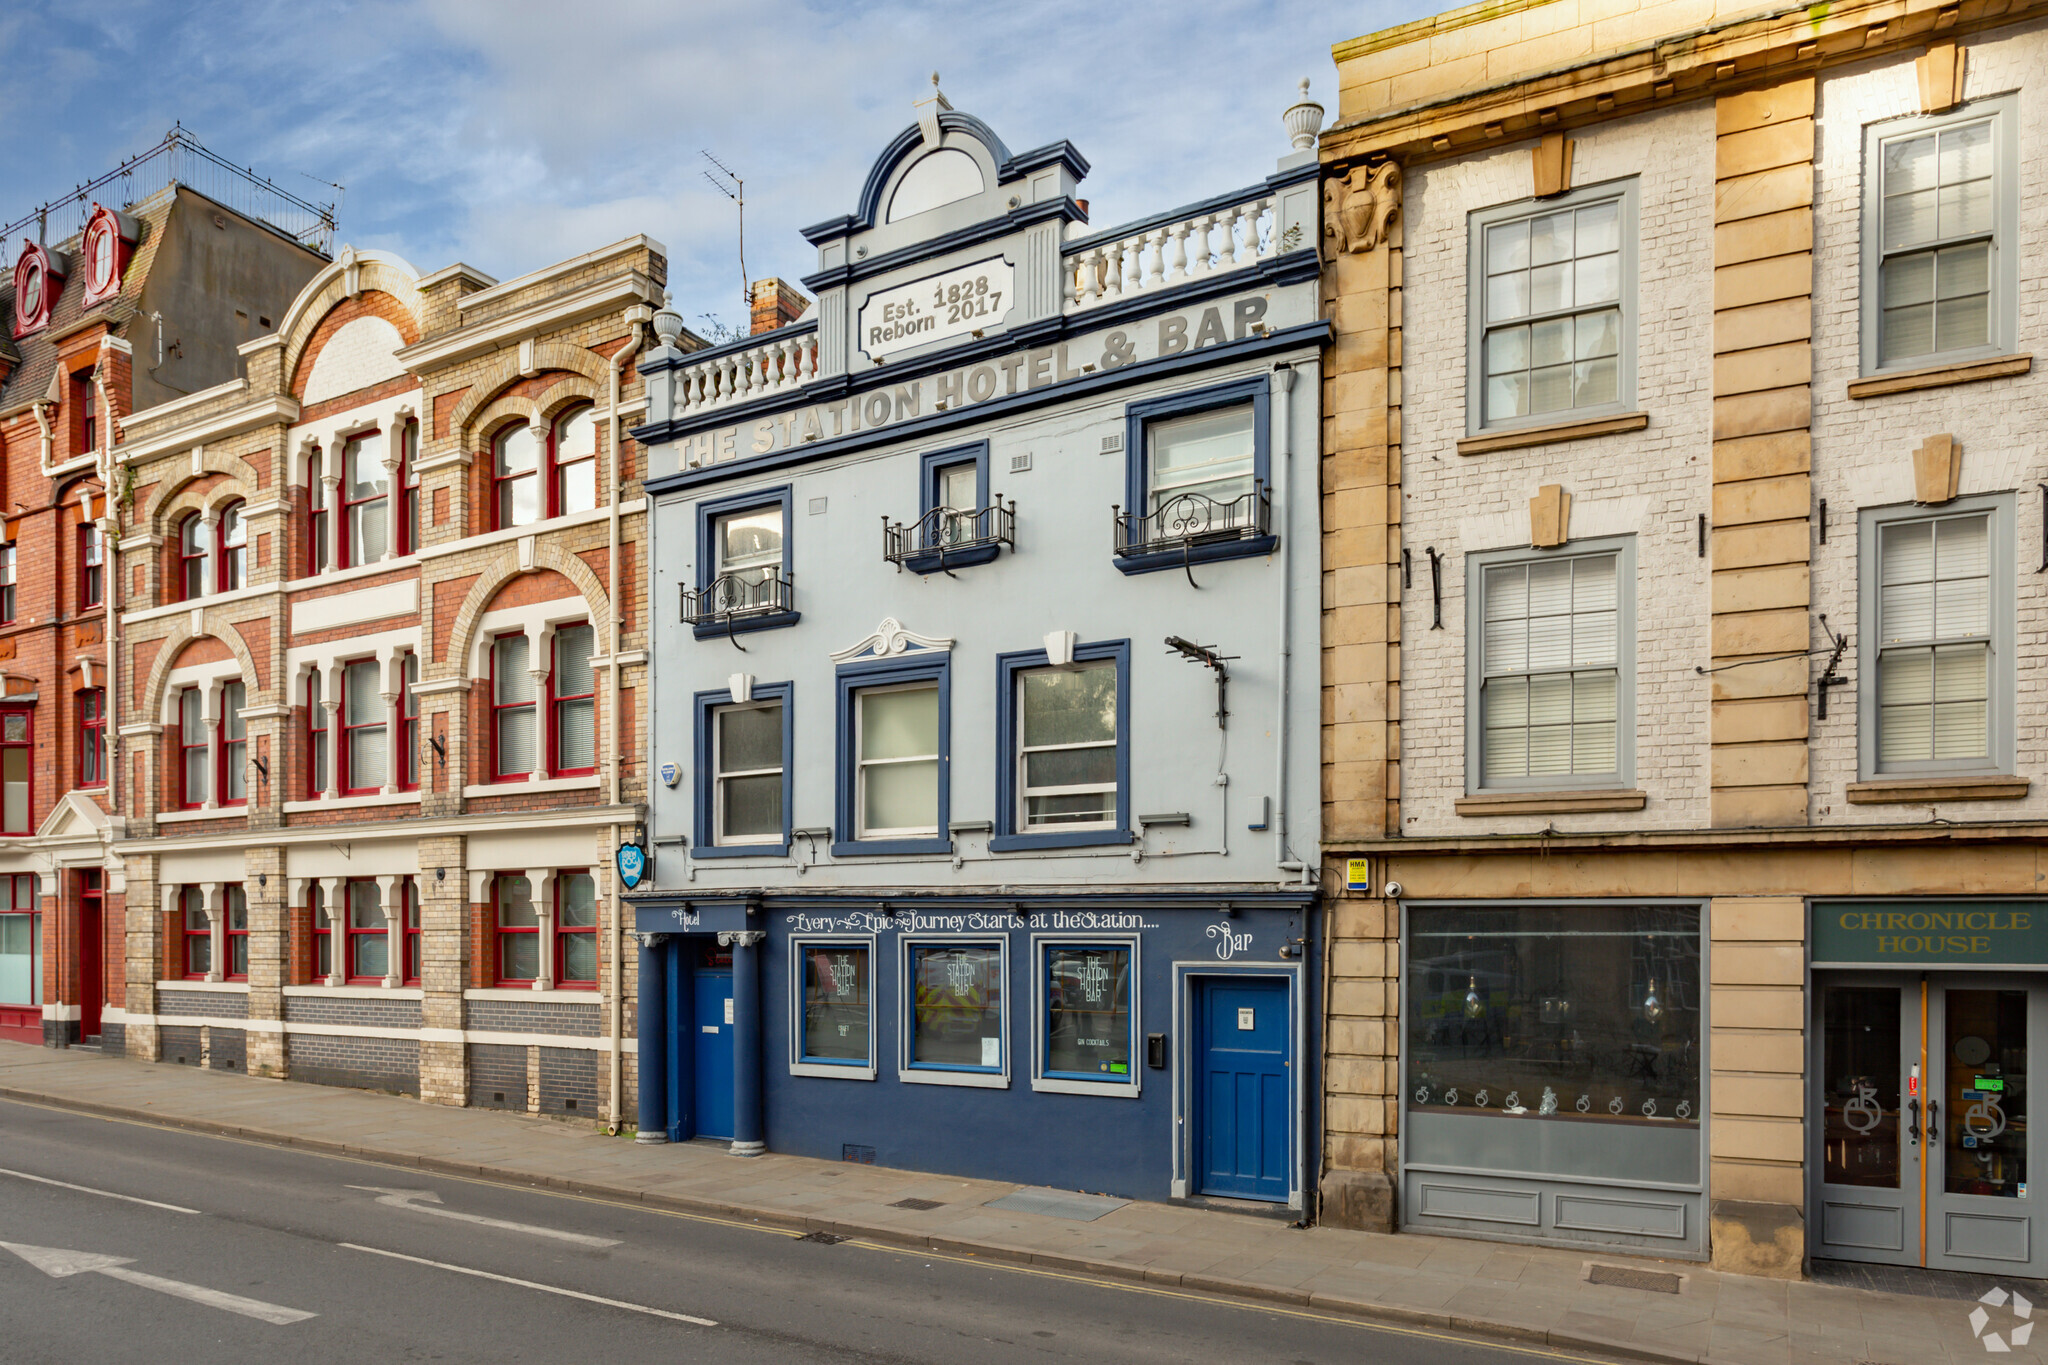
point(668, 324)
point(1304, 119)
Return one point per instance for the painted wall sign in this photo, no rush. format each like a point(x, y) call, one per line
point(1936, 933)
point(1169, 334)
point(969, 298)
point(966, 921)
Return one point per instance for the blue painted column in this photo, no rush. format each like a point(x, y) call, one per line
point(747, 1129)
point(653, 1065)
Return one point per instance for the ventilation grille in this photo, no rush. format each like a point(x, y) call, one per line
point(1020, 463)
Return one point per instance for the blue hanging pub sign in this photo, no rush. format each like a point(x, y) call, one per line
point(632, 864)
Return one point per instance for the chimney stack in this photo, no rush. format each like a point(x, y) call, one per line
point(775, 305)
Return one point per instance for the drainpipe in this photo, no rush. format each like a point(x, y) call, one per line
point(1283, 381)
point(41, 410)
point(638, 314)
point(110, 574)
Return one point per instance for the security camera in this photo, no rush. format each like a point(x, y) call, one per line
point(1393, 891)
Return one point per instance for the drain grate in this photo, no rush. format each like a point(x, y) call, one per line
point(917, 1204)
point(1628, 1277)
point(823, 1238)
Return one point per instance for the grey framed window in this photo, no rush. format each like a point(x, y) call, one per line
point(1552, 309)
point(1550, 668)
point(832, 997)
point(1940, 237)
point(1935, 692)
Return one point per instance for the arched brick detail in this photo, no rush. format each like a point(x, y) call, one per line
point(234, 466)
point(503, 570)
point(174, 645)
point(374, 270)
point(548, 355)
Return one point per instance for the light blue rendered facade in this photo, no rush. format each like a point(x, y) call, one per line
point(1007, 883)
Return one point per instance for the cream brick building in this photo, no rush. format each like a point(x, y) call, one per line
point(382, 660)
point(1676, 344)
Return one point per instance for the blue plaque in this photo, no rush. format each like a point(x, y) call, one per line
point(632, 864)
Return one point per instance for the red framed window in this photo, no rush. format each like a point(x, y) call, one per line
point(92, 737)
point(409, 722)
point(515, 476)
point(323, 931)
point(369, 935)
point(198, 932)
point(6, 583)
point(232, 778)
point(91, 564)
point(512, 710)
point(17, 787)
point(572, 704)
point(409, 486)
point(235, 935)
point(85, 394)
point(233, 535)
point(318, 525)
point(193, 555)
point(192, 755)
point(518, 930)
point(365, 491)
point(572, 452)
point(364, 749)
point(409, 897)
point(317, 749)
point(576, 930)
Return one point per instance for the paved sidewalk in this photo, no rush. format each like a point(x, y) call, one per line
point(1528, 1294)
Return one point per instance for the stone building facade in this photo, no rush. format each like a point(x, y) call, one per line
point(1681, 630)
point(384, 654)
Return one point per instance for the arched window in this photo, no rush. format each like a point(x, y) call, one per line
point(234, 548)
point(193, 556)
point(574, 454)
point(409, 482)
point(365, 486)
point(515, 476)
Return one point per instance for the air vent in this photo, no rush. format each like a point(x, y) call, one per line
point(817, 507)
point(1020, 463)
point(1112, 444)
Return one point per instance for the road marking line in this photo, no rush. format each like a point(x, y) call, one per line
point(530, 1284)
point(212, 1298)
point(87, 1189)
point(426, 1201)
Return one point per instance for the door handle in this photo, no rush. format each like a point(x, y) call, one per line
point(1933, 1119)
point(1913, 1124)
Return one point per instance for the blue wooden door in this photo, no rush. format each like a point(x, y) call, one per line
point(682, 1045)
point(713, 1037)
point(1241, 1072)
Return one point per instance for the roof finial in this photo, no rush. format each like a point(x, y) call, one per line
point(1303, 120)
point(928, 111)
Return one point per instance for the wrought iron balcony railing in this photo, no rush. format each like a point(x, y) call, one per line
point(739, 595)
point(1188, 521)
point(946, 538)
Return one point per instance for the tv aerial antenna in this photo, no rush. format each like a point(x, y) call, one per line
point(732, 187)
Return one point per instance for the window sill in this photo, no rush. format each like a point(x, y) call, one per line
point(526, 995)
point(1516, 438)
point(1054, 1085)
point(179, 817)
point(1941, 376)
point(868, 848)
point(1023, 843)
point(978, 1080)
point(1550, 803)
point(552, 784)
point(200, 983)
point(359, 992)
point(411, 798)
point(834, 1071)
point(718, 630)
point(780, 850)
point(1888, 791)
point(1157, 561)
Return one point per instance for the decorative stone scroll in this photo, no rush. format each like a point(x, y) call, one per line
point(1361, 206)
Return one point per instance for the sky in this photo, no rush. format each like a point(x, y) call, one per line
point(510, 134)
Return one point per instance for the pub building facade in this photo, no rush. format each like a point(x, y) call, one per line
point(1685, 635)
point(984, 595)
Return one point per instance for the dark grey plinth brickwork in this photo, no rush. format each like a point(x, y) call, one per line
point(497, 1076)
point(568, 1081)
point(114, 1039)
point(365, 1063)
point(314, 1009)
point(517, 1016)
point(206, 1004)
point(178, 1044)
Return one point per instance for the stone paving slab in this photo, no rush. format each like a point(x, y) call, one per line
point(1506, 1291)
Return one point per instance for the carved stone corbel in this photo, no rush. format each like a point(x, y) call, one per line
point(1360, 206)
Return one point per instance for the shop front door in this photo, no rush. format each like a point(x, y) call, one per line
point(713, 1039)
point(1241, 1069)
point(1922, 1121)
point(91, 961)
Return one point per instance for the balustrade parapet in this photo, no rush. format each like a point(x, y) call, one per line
point(1229, 232)
point(779, 362)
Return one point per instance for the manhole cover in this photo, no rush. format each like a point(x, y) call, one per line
point(826, 1238)
point(1627, 1277)
point(917, 1204)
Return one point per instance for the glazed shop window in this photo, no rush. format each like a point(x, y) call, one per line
point(369, 932)
point(956, 1008)
point(235, 935)
point(836, 1032)
point(92, 556)
point(1088, 1014)
point(1555, 1014)
point(1552, 303)
point(1938, 623)
point(363, 743)
point(21, 940)
point(234, 548)
point(92, 737)
point(6, 583)
point(1940, 229)
point(196, 928)
point(515, 476)
point(17, 744)
point(574, 454)
point(365, 491)
point(195, 558)
point(572, 709)
point(518, 931)
point(233, 775)
point(1552, 666)
point(575, 929)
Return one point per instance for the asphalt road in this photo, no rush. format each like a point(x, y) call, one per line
point(260, 1236)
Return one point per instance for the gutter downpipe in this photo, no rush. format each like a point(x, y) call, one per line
point(616, 1020)
point(1283, 380)
point(110, 571)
